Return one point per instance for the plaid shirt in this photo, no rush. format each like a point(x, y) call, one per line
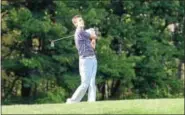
point(83, 43)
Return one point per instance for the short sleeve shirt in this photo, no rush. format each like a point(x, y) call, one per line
point(83, 43)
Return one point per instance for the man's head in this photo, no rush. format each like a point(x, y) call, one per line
point(78, 21)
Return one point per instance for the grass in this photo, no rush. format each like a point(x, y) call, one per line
point(137, 106)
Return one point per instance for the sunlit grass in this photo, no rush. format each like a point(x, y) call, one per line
point(139, 106)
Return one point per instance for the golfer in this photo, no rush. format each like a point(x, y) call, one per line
point(85, 43)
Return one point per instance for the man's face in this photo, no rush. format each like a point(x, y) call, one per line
point(80, 22)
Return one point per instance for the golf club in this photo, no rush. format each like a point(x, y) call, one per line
point(95, 29)
point(53, 41)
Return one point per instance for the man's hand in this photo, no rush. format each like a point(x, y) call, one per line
point(93, 43)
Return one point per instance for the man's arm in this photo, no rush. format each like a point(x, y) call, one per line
point(93, 35)
point(93, 38)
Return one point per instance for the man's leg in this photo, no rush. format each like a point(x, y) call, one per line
point(92, 86)
point(85, 71)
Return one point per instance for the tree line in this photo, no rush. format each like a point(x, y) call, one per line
point(140, 52)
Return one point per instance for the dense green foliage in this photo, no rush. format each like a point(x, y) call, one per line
point(138, 56)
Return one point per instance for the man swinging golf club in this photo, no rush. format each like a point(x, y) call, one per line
point(85, 43)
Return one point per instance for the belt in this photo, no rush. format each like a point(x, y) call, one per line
point(91, 56)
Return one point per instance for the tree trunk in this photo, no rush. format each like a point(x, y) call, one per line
point(35, 91)
point(106, 90)
point(26, 89)
point(103, 91)
point(112, 87)
point(181, 70)
point(115, 87)
point(47, 85)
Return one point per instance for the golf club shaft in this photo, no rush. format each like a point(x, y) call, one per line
point(62, 38)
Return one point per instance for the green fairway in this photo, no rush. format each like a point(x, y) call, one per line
point(139, 106)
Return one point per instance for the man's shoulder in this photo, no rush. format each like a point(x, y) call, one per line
point(80, 32)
